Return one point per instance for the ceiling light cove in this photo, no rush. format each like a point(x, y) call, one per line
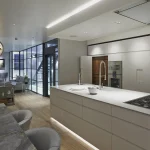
point(74, 12)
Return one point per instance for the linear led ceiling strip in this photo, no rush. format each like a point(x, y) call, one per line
point(74, 12)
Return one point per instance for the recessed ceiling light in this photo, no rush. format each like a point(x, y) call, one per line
point(14, 24)
point(85, 32)
point(72, 13)
point(117, 22)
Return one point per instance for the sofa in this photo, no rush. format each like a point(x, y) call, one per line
point(18, 84)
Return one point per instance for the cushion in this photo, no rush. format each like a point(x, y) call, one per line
point(18, 79)
point(21, 79)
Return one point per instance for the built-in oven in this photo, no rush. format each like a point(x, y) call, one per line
point(115, 74)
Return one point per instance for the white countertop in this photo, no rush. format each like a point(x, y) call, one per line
point(108, 95)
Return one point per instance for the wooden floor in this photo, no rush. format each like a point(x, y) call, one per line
point(40, 107)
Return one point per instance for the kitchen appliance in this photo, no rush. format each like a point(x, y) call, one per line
point(115, 83)
point(138, 11)
point(141, 102)
point(115, 74)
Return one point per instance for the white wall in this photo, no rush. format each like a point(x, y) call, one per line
point(5, 56)
point(69, 60)
point(135, 57)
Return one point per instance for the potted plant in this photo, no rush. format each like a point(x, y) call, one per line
point(26, 79)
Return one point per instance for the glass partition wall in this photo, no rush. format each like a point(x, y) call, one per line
point(14, 65)
point(39, 69)
point(30, 62)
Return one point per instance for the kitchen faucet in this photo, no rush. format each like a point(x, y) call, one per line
point(79, 78)
point(100, 72)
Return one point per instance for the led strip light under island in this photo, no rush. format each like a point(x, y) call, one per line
point(61, 126)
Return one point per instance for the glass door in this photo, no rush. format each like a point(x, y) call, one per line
point(51, 71)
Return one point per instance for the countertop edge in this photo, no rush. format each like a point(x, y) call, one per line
point(124, 105)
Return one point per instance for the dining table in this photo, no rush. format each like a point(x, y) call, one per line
point(12, 136)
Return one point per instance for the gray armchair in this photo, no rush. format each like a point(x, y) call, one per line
point(23, 117)
point(44, 138)
point(18, 84)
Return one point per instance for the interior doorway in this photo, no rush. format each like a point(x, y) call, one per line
point(95, 70)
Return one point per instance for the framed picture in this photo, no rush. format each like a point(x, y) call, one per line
point(2, 64)
point(1, 48)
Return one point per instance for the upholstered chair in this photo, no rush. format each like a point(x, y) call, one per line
point(23, 117)
point(44, 138)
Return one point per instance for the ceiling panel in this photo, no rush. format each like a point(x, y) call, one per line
point(100, 26)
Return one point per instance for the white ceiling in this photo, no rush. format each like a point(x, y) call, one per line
point(32, 16)
point(100, 26)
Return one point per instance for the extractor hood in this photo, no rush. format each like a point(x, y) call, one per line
point(139, 11)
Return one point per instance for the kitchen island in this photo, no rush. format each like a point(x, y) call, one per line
point(104, 120)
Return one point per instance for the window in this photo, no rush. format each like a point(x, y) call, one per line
point(30, 62)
